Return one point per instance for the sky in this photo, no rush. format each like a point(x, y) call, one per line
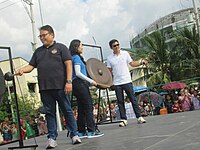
point(94, 22)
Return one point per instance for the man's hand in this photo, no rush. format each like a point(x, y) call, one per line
point(144, 62)
point(68, 88)
point(19, 72)
point(23, 70)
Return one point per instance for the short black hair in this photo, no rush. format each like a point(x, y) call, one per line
point(47, 28)
point(112, 41)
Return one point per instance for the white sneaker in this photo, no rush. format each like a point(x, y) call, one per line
point(51, 144)
point(123, 123)
point(141, 120)
point(76, 140)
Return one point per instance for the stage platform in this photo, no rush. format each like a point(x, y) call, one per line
point(180, 131)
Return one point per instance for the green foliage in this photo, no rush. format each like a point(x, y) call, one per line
point(158, 78)
point(158, 58)
point(4, 107)
point(188, 53)
point(174, 61)
point(25, 106)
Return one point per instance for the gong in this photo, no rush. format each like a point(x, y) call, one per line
point(99, 73)
point(2, 86)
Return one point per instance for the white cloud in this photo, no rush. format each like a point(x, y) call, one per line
point(83, 19)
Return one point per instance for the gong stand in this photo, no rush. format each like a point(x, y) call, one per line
point(21, 144)
point(2, 86)
point(102, 76)
point(98, 111)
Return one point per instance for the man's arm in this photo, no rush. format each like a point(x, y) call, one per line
point(23, 70)
point(138, 63)
point(68, 85)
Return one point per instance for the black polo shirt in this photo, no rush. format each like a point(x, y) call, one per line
point(50, 66)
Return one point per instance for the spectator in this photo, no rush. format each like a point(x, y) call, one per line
point(195, 100)
point(23, 129)
point(34, 126)
point(42, 126)
point(185, 99)
point(95, 112)
point(15, 135)
point(112, 110)
point(176, 106)
point(1, 137)
point(29, 131)
point(6, 130)
point(169, 103)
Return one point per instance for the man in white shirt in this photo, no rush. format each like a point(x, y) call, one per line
point(117, 63)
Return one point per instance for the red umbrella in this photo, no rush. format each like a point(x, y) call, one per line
point(174, 85)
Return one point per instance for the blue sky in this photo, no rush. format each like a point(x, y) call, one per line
point(86, 20)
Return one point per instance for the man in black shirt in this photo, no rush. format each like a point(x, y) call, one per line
point(54, 67)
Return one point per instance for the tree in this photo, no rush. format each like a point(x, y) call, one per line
point(25, 106)
point(158, 58)
point(188, 53)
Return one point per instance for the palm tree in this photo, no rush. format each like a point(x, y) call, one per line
point(188, 53)
point(158, 58)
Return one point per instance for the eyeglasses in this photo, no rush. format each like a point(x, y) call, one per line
point(43, 35)
point(115, 45)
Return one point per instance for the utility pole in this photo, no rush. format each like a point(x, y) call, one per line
point(31, 16)
point(196, 16)
point(10, 101)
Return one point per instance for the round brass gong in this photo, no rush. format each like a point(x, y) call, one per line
point(99, 73)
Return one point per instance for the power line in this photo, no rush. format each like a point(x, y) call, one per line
point(4, 1)
point(8, 5)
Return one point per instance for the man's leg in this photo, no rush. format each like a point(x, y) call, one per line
point(120, 101)
point(50, 107)
point(49, 104)
point(65, 105)
point(129, 91)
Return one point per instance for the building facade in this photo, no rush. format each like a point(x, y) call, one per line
point(26, 85)
point(167, 24)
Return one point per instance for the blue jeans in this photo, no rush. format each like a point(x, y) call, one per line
point(49, 98)
point(85, 106)
point(128, 88)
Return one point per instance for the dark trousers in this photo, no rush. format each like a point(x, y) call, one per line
point(49, 98)
point(128, 88)
point(85, 106)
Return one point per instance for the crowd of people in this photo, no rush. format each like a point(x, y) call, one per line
point(30, 127)
point(181, 100)
point(186, 100)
